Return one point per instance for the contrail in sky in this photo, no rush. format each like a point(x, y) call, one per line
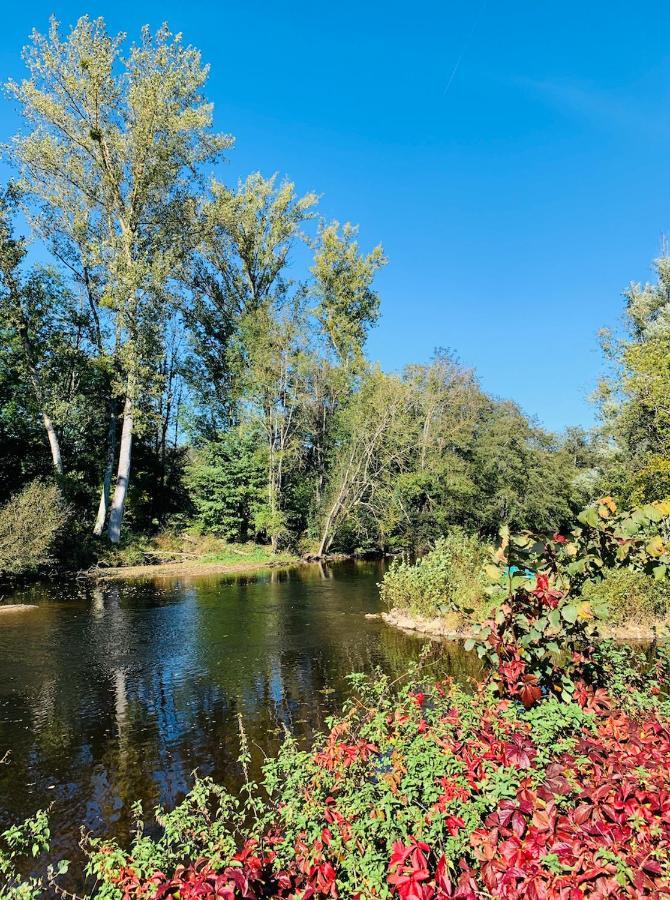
point(465, 47)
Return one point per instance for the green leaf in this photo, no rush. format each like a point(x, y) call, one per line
point(469, 644)
point(660, 572)
point(569, 613)
point(555, 618)
point(590, 517)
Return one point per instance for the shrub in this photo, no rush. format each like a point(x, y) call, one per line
point(448, 580)
point(29, 525)
point(426, 793)
point(543, 630)
point(630, 596)
point(29, 840)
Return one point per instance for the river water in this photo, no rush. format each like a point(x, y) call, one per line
point(116, 692)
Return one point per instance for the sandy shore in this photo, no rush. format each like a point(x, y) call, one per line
point(16, 607)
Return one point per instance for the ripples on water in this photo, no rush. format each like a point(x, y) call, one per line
point(117, 692)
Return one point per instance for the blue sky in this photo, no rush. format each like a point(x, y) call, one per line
point(510, 156)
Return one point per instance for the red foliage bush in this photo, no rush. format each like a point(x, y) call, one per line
point(593, 822)
point(597, 826)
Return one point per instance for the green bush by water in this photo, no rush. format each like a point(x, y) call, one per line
point(449, 580)
point(30, 522)
point(630, 596)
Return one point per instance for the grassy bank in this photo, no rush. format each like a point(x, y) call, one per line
point(188, 553)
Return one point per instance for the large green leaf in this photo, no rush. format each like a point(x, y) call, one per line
point(569, 612)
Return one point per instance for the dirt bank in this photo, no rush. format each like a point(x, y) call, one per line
point(436, 627)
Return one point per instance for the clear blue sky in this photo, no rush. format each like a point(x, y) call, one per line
point(511, 156)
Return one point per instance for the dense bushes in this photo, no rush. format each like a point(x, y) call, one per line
point(29, 526)
point(448, 581)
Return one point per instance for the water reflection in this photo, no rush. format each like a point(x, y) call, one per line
point(116, 692)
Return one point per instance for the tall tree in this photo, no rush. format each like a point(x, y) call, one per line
point(29, 316)
point(374, 448)
point(635, 400)
point(284, 349)
point(110, 161)
point(347, 306)
point(240, 266)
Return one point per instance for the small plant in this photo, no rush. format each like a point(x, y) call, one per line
point(28, 840)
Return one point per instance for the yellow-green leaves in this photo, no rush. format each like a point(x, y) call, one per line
point(346, 304)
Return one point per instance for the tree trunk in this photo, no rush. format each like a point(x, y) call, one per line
point(326, 541)
point(327, 533)
point(122, 475)
point(53, 443)
point(101, 518)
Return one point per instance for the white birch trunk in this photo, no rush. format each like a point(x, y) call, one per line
point(103, 506)
point(122, 475)
point(53, 443)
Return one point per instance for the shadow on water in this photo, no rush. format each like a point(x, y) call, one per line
point(116, 692)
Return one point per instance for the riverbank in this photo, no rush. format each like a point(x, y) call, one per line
point(195, 567)
point(173, 554)
point(432, 627)
point(451, 629)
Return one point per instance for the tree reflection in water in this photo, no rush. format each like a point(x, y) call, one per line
point(116, 692)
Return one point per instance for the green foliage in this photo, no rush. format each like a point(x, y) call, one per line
point(208, 822)
point(226, 482)
point(451, 456)
point(523, 475)
point(631, 597)
point(637, 679)
point(448, 580)
point(634, 400)
point(29, 840)
point(551, 594)
point(347, 305)
point(29, 526)
point(537, 639)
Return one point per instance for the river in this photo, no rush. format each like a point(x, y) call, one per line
point(113, 692)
